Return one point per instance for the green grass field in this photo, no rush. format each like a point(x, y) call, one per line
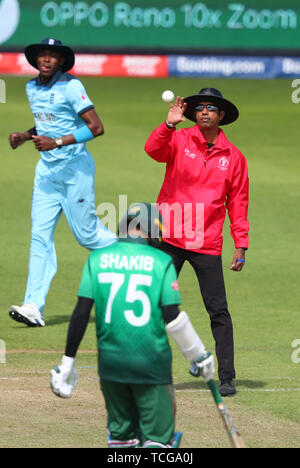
point(263, 300)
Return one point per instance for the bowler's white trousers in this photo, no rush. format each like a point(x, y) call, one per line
point(63, 186)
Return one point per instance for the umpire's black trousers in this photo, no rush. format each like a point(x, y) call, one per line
point(209, 271)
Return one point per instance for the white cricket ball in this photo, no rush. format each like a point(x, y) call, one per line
point(167, 96)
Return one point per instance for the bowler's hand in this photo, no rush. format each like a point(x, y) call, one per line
point(17, 139)
point(175, 115)
point(43, 143)
point(238, 261)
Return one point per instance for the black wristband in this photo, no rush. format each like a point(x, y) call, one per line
point(32, 131)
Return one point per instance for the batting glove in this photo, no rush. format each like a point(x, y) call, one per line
point(204, 365)
point(64, 378)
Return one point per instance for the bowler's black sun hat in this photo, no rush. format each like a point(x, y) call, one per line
point(215, 96)
point(32, 51)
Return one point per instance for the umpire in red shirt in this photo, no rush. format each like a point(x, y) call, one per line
point(205, 176)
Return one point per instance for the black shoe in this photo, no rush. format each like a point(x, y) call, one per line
point(227, 388)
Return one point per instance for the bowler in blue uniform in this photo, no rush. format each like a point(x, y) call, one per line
point(65, 119)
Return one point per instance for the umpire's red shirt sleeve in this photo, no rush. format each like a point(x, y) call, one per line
point(159, 145)
point(237, 204)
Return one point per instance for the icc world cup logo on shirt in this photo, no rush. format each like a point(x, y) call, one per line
point(9, 18)
point(223, 164)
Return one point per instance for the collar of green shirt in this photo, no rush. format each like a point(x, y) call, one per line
point(136, 240)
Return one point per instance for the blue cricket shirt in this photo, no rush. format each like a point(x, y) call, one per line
point(57, 107)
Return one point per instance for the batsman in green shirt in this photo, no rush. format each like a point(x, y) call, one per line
point(133, 286)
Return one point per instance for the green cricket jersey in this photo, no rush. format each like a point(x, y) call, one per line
point(130, 281)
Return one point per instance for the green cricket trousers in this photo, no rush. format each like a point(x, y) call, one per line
point(139, 415)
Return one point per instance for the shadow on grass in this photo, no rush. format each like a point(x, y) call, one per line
point(60, 319)
point(201, 385)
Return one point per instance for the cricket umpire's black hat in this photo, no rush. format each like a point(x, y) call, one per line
point(215, 96)
point(32, 51)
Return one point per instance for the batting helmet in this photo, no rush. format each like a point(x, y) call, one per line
point(146, 218)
